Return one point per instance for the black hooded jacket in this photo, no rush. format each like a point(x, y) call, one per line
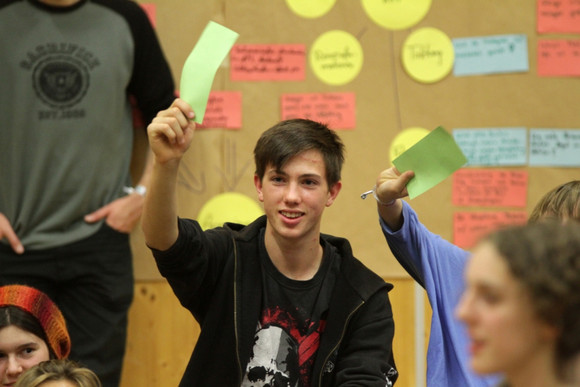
point(216, 275)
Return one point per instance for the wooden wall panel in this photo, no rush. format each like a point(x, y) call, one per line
point(161, 337)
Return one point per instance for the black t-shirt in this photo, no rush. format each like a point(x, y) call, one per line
point(292, 322)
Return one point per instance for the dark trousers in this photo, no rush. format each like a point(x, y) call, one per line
point(92, 283)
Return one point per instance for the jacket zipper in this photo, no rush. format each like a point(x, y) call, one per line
point(339, 341)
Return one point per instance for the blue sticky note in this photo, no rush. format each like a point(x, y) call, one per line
point(490, 55)
point(493, 146)
point(201, 65)
point(554, 147)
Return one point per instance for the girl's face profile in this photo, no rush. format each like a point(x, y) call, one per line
point(19, 350)
point(505, 334)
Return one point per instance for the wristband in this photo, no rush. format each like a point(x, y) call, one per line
point(387, 204)
point(139, 189)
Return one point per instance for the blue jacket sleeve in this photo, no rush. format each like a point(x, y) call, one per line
point(438, 266)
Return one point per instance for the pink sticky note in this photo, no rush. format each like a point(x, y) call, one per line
point(485, 187)
point(223, 110)
point(337, 110)
point(469, 227)
point(558, 16)
point(268, 62)
point(151, 12)
point(558, 58)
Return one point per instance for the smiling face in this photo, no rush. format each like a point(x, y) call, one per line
point(506, 336)
point(19, 350)
point(295, 197)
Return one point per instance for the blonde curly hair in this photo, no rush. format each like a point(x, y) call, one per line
point(58, 369)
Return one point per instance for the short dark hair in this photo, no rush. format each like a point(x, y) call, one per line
point(291, 137)
point(545, 258)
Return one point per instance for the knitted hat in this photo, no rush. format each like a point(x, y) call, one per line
point(46, 312)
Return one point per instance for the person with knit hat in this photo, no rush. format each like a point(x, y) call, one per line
point(32, 330)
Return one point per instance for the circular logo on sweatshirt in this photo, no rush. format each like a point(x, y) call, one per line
point(60, 81)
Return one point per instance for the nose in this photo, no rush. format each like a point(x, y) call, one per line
point(463, 308)
point(14, 368)
point(292, 193)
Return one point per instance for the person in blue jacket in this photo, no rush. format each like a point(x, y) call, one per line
point(279, 303)
point(438, 266)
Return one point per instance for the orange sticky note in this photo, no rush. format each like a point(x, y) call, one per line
point(151, 11)
point(558, 16)
point(268, 62)
point(223, 110)
point(337, 110)
point(559, 58)
point(485, 187)
point(469, 227)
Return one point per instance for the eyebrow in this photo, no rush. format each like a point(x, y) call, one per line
point(274, 171)
point(29, 344)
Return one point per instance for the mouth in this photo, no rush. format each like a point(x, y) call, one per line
point(291, 214)
point(475, 346)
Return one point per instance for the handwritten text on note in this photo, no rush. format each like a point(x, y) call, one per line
point(268, 62)
point(485, 187)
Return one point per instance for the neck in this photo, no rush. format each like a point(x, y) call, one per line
point(538, 372)
point(297, 261)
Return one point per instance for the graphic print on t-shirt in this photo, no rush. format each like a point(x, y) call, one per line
point(60, 77)
point(284, 350)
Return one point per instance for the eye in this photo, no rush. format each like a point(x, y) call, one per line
point(277, 179)
point(310, 182)
point(27, 352)
point(489, 297)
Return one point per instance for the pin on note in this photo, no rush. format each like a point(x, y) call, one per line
point(202, 64)
point(432, 159)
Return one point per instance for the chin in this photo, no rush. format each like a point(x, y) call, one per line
point(483, 366)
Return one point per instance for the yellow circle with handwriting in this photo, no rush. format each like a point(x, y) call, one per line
point(229, 207)
point(336, 57)
point(310, 8)
point(405, 140)
point(396, 14)
point(428, 55)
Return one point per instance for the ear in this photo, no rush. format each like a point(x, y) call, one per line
point(333, 193)
point(258, 185)
point(549, 332)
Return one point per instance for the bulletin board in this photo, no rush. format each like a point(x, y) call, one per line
point(387, 101)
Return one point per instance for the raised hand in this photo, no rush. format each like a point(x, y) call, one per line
point(171, 131)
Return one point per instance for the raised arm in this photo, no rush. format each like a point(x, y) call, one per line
point(390, 187)
point(170, 135)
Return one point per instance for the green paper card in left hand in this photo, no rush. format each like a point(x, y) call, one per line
point(202, 64)
point(434, 158)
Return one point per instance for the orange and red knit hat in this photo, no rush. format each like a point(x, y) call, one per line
point(46, 312)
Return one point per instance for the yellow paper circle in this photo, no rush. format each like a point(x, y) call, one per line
point(336, 57)
point(310, 8)
point(428, 55)
point(396, 15)
point(406, 139)
point(228, 207)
